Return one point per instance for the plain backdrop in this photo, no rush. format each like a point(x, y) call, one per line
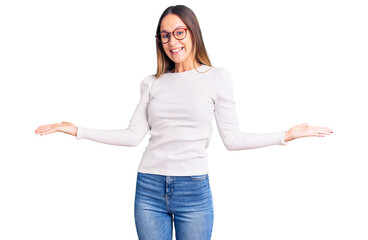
point(83, 61)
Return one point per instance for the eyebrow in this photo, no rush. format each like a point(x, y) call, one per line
point(174, 29)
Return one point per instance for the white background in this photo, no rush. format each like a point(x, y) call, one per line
point(83, 61)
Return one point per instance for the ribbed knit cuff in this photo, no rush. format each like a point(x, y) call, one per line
point(283, 138)
point(79, 133)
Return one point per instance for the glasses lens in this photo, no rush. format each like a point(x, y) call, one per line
point(163, 37)
point(180, 33)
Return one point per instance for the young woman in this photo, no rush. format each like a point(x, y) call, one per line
point(177, 106)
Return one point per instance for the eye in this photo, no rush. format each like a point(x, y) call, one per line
point(179, 32)
point(164, 35)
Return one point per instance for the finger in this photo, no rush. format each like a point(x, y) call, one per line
point(43, 131)
point(43, 127)
point(324, 134)
point(51, 127)
point(39, 130)
point(321, 134)
point(316, 134)
point(48, 132)
point(325, 129)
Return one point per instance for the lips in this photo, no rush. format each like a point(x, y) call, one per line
point(176, 50)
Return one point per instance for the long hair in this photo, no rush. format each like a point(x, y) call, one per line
point(199, 52)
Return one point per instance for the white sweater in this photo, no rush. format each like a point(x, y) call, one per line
point(177, 110)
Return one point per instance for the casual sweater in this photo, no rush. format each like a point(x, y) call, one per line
point(177, 110)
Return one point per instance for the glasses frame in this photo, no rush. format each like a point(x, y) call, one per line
point(172, 34)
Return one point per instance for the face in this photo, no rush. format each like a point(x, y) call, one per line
point(179, 51)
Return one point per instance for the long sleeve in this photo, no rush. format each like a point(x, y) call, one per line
point(227, 120)
point(134, 133)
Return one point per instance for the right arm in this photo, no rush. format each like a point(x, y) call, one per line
point(131, 136)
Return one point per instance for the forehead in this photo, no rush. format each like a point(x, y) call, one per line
point(170, 22)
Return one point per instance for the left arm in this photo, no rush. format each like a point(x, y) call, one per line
point(227, 122)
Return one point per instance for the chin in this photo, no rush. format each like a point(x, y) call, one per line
point(177, 60)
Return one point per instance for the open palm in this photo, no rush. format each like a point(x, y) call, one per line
point(304, 130)
point(65, 127)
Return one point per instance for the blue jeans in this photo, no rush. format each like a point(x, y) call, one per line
point(185, 201)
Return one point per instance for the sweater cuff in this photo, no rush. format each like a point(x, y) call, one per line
point(79, 133)
point(283, 138)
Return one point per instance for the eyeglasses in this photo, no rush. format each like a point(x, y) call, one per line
point(164, 37)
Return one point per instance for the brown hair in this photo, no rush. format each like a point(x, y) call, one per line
point(164, 63)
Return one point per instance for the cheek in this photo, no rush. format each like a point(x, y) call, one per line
point(166, 50)
point(189, 38)
point(188, 48)
point(189, 44)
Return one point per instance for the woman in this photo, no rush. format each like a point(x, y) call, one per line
point(177, 106)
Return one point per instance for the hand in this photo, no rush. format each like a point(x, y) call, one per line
point(304, 130)
point(65, 127)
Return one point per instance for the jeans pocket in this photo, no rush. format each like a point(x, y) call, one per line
point(199, 177)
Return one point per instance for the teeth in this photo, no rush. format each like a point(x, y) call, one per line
point(176, 50)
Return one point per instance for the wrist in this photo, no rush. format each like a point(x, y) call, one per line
point(287, 137)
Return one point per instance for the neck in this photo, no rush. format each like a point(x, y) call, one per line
point(183, 67)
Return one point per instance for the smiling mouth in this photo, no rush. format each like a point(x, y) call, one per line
point(176, 50)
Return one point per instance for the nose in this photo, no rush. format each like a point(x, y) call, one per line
point(172, 40)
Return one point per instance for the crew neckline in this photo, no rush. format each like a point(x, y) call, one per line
point(189, 71)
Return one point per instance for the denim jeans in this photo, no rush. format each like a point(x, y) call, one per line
point(182, 201)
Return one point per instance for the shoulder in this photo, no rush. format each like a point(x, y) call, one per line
point(146, 82)
point(149, 79)
point(223, 82)
point(214, 72)
point(217, 72)
point(221, 76)
point(222, 72)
